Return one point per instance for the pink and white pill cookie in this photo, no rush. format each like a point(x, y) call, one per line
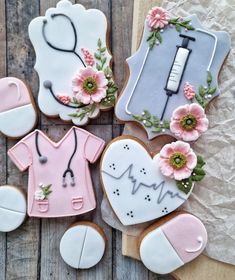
point(82, 245)
point(166, 246)
point(12, 208)
point(18, 115)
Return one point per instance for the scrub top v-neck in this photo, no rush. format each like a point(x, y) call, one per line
point(49, 193)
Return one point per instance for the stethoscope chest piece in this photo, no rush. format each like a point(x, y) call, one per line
point(42, 159)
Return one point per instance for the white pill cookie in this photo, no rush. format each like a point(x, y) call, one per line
point(12, 208)
point(82, 245)
point(172, 242)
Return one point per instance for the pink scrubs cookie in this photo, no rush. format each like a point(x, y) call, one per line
point(17, 112)
point(59, 177)
point(166, 247)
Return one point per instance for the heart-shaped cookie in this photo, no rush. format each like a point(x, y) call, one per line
point(134, 184)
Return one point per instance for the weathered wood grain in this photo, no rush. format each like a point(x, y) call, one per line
point(122, 12)
point(22, 244)
point(2, 139)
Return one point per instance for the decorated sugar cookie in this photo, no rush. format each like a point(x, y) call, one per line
point(73, 65)
point(141, 187)
point(59, 178)
point(17, 111)
point(12, 208)
point(166, 246)
point(82, 245)
point(173, 76)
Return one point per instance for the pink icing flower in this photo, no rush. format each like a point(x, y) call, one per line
point(157, 18)
point(177, 160)
point(188, 122)
point(89, 59)
point(90, 86)
point(64, 99)
point(189, 92)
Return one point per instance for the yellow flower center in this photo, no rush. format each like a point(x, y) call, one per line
point(178, 160)
point(188, 122)
point(89, 85)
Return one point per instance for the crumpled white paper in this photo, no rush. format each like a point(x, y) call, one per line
point(213, 199)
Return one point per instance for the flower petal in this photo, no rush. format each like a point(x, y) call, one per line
point(181, 147)
point(190, 136)
point(100, 79)
point(196, 110)
point(87, 72)
point(166, 151)
point(180, 112)
point(99, 95)
point(202, 125)
point(191, 160)
point(182, 173)
point(165, 168)
point(176, 128)
point(84, 98)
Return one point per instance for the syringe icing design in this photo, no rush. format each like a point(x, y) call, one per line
point(177, 69)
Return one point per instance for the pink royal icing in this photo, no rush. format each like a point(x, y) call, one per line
point(13, 94)
point(49, 194)
point(187, 235)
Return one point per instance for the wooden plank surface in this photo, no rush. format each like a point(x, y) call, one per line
point(32, 251)
point(202, 268)
point(3, 170)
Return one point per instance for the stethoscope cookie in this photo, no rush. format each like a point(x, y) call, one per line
point(17, 111)
point(12, 208)
point(166, 246)
point(82, 245)
point(76, 81)
point(59, 181)
point(176, 65)
point(141, 187)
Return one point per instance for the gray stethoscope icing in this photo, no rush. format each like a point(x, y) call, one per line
point(43, 159)
point(48, 84)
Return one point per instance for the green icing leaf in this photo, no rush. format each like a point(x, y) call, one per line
point(147, 114)
point(157, 129)
point(177, 27)
point(103, 49)
point(202, 91)
point(152, 43)
point(152, 121)
point(185, 185)
point(212, 90)
point(158, 36)
point(89, 109)
point(200, 162)
point(99, 43)
point(150, 36)
point(97, 56)
point(137, 117)
point(205, 93)
point(209, 78)
point(98, 67)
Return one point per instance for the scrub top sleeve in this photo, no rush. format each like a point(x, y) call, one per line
point(93, 147)
point(20, 155)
